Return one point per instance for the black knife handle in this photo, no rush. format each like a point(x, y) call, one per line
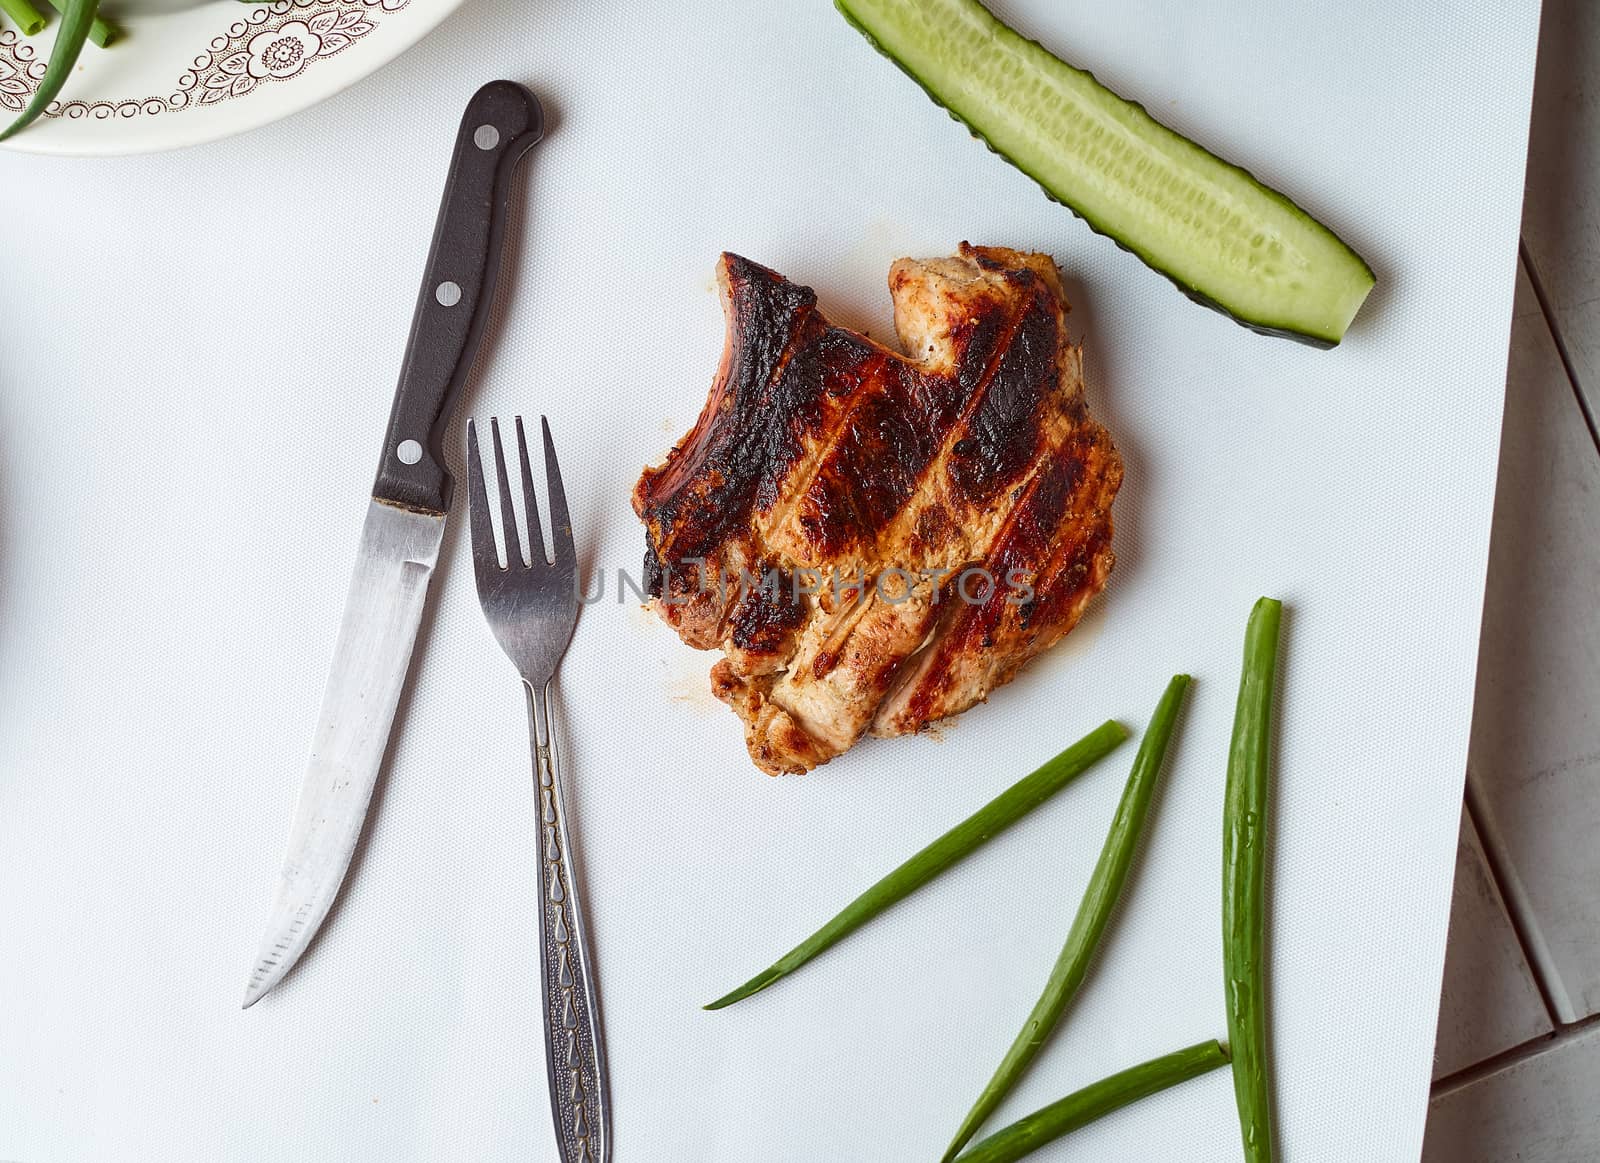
point(502, 122)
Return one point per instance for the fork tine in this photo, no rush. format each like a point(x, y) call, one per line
point(484, 554)
point(560, 521)
point(536, 547)
point(508, 515)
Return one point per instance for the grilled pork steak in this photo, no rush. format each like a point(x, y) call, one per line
point(874, 540)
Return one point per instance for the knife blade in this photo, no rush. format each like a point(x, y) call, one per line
point(404, 526)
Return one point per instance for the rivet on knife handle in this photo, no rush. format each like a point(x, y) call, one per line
point(502, 122)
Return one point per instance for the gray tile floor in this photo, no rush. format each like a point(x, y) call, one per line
point(1517, 1065)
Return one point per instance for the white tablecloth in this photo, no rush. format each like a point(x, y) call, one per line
point(197, 353)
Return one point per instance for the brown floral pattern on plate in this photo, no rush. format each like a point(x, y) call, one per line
point(274, 42)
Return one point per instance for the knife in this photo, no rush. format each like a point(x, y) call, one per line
point(404, 525)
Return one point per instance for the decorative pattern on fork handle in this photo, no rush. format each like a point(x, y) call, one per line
point(573, 1052)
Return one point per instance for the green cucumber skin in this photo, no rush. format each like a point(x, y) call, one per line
point(1194, 293)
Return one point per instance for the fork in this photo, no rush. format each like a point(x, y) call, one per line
point(532, 606)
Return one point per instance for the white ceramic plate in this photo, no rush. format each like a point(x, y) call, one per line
point(186, 74)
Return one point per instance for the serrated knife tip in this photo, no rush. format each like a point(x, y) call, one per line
point(261, 984)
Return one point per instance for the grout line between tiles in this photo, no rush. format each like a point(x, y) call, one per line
point(1556, 337)
point(1467, 1075)
point(1545, 978)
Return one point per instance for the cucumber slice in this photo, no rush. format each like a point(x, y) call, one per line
point(1225, 239)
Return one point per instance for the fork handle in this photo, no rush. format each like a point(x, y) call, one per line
point(575, 1060)
point(503, 121)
